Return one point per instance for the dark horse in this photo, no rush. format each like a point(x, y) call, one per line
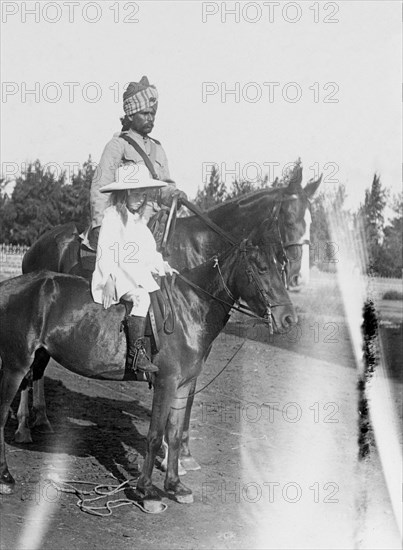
point(288, 209)
point(58, 250)
point(46, 314)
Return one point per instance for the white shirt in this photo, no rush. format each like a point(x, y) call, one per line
point(126, 252)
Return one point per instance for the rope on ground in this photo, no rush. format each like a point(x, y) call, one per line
point(102, 491)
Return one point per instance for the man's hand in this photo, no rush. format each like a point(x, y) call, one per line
point(180, 194)
point(108, 293)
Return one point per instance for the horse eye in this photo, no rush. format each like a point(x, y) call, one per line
point(260, 265)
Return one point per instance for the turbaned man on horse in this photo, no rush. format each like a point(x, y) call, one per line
point(133, 144)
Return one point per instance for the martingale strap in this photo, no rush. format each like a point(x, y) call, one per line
point(142, 153)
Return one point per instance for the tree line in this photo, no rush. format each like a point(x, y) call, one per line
point(380, 238)
point(383, 240)
point(41, 200)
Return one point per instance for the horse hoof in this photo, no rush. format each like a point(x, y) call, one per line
point(7, 483)
point(6, 489)
point(43, 428)
point(153, 506)
point(41, 422)
point(147, 494)
point(180, 493)
point(189, 463)
point(23, 436)
point(181, 499)
point(184, 499)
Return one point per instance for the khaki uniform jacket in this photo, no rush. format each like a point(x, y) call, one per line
point(118, 151)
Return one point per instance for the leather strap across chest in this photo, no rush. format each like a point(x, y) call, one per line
point(142, 154)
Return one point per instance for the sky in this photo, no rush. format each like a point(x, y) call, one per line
point(249, 86)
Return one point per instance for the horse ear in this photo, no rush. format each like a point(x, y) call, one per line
point(295, 179)
point(311, 187)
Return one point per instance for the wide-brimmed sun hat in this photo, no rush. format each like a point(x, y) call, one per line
point(132, 176)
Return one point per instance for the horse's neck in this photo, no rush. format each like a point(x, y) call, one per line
point(237, 217)
point(215, 280)
point(195, 242)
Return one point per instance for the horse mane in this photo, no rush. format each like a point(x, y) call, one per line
point(245, 199)
point(194, 242)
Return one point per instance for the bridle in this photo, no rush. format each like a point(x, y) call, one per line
point(284, 246)
point(253, 276)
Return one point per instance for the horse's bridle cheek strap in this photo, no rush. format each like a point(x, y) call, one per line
point(256, 280)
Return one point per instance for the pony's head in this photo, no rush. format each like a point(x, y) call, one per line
point(294, 227)
point(256, 279)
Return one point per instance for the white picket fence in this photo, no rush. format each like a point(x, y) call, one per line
point(11, 259)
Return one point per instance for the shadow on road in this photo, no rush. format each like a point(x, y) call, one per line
point(89, 426)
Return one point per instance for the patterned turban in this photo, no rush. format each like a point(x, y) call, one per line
point(139, 96)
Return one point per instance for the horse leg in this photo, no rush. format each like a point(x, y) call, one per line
point(9, 383)
point(23, 432)
point(173, 486)
point(162, 400)
point(164, 463)
point(185, 457)
point(41, 422)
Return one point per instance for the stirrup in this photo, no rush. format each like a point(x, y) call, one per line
point(141, 362)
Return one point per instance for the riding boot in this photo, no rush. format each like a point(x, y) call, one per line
point(137, 358)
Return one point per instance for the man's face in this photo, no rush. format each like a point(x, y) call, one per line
point(143, 121)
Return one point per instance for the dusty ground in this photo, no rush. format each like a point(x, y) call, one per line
point(275, 434)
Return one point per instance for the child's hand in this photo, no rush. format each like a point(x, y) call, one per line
point(108, 293)
point(168, 269)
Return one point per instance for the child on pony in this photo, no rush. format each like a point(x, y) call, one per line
point(127, 256)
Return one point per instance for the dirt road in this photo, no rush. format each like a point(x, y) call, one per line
point(275, 434)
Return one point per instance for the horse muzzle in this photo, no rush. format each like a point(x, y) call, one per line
point(284, 318)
